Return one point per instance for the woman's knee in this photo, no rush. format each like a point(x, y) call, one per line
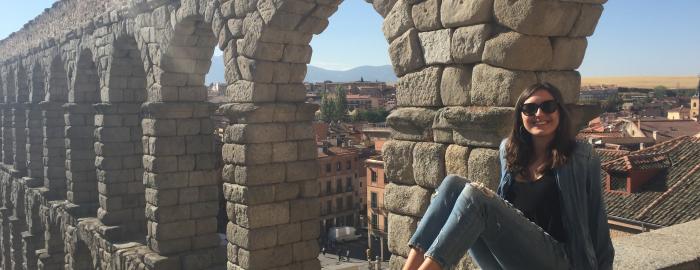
point(453, 182)
point(476, 191)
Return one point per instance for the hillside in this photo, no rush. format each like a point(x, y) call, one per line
point(671, 82)
point(317, 74)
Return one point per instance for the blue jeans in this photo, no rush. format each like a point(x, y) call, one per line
point(464, 215)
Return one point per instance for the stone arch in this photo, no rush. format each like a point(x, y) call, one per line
point(81, 176)
point(54, 128)
point(119, 148)
point(266, 51)
point(178, 114)
point(79, 254)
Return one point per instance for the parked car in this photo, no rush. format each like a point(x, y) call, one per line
point(342, 234)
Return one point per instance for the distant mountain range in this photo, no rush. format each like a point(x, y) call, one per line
point(316, 74)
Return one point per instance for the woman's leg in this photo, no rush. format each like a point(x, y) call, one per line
point(515, 242)
point(434, 219)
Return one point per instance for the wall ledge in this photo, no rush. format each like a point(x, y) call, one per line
point(675, 247)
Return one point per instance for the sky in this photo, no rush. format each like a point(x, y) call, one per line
point(633, 37)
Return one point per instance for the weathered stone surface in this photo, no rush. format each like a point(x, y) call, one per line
point(568, 83)
point(512, 50)
point(396, 262)
point(398, 161)
point(436, 46)
point(587, 21)
point(493, 86)
point(468, 43)
point(406, 200)
point(406, 53)
point(401, 228)
point(455, 86)
point(412, 124)
point(426, 16)
point(456, 160)
point(477, 126)
point(398, 21)
point(537, 17)
point(568, 53)
point(580, 115)
point(484, 166)
point(674, 247)
point(429, 164)
point(383, 7)
point(420, 89)
point(587, 1)
point(456, 13)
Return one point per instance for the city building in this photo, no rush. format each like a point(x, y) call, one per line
point(659, 129)
point(340, 183)
point(679, 113)
point(652, 188)
point(378, 217)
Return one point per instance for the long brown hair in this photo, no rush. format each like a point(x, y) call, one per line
point(519, 147)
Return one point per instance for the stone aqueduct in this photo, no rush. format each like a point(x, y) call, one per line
point(107, 154)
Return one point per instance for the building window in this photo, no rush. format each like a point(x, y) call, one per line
point(348, 202)
point(374, 221)
point(386, 224)
point(349, 165)
point(374, 176)
point(339, 185)
point(348, 184)
point(373, 201)
point(328, 187)
point(339, 203)
point(337, 166)
point(329, 207)
point(328, 167)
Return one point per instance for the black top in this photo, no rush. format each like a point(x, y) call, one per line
point(539, 202)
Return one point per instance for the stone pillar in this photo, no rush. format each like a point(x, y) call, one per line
point(5, 247)
point(54, 149)
point(119, 167)
point(33, 238)
point(81, 177)
point(52, 256)
point(2, 119)
point(34, 146)
point(180, 178)
point(29, 247)
point(270, 185)
point(19, 145)
point(16, 229)
point(7, 135)
point(461, 67)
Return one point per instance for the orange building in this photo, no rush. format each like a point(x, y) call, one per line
point(377, 216)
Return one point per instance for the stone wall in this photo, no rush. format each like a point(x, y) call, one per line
point(461, 67)
point(104, 112)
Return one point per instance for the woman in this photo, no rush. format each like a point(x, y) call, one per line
point(547, 214)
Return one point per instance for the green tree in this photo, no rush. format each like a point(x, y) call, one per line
point(328, 108)
point(611, 104)
point(341, 104)
point(660, 91)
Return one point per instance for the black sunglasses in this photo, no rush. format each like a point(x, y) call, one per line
point(548, 106)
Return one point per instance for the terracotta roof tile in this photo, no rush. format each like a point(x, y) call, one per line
point(671, 197)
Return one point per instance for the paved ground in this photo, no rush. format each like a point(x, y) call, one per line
point(330, 262)
point(357, 260)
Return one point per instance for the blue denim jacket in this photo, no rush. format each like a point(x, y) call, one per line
point(583, 210)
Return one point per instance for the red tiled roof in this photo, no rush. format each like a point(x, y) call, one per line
point(672, 196)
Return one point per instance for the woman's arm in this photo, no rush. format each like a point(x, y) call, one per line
point(598, 218)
